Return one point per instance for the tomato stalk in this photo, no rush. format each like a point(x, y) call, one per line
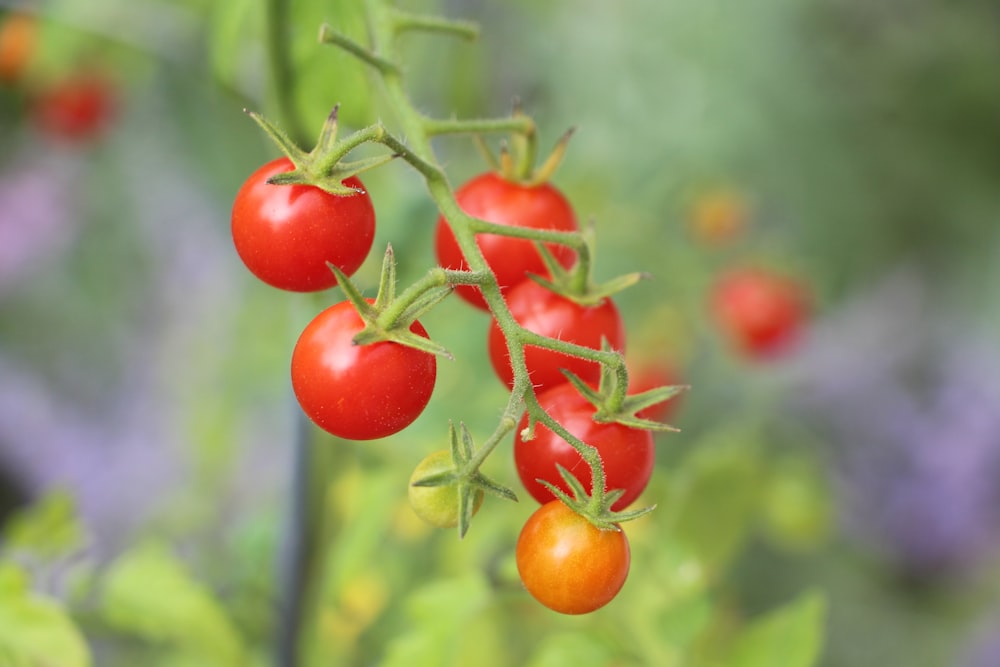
point(308, 532)
point(595, 503)
point(308, 529)
point(402, 21)
point(386, 24)
point(476, 126)
point(280, 70)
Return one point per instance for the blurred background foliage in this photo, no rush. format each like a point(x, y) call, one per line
point(836, 506)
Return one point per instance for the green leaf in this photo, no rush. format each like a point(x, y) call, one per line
point(35, 631)
point(326, 74)
point(791, 636)
point(795, 506)
point(230, 24)
point(373, 498)
point(13, 580)
point(49, 529)
point(572, 649)
point(149, 593)
point(681, 624)
point(714, 502)
point(449, 627)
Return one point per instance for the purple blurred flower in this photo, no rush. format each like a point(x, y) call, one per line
point(914, 419)
point(982, 649)
point(116, 465)
point(37, 218)
point(130, 457)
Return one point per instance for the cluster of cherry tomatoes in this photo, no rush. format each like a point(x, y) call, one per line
point(309, 236)
point(565, 561)
point(74, 106)
point(287, 234)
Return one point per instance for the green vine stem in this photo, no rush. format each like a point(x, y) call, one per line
point(307, 533)
point(309, 530)
point(281, 74)
point(310, 526)
point(385, 26)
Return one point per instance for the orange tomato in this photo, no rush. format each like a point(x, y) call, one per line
point(18, 38)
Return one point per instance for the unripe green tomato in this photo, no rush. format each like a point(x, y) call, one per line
point(437, 505)
point(796, 506)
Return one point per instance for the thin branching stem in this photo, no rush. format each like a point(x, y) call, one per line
point(385, 24)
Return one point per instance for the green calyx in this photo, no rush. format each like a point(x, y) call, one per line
point(576, 283)
point(389, 317)
point(613, 403)
point(322, 167)
point(465, 475)
point(517, 158)
point(595, 508)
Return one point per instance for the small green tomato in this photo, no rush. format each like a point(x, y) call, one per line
point(437, 505)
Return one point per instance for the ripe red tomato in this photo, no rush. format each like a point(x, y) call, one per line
point(359, 392)
point(628, 453)
point(285, 234)
point(761, 312)
point(492, 198)
point(544, 312)
point(77, 108)
point(569, 564)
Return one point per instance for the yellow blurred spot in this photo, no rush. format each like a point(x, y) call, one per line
point(346, 493)
point(407, 526)
point(719, 217)
point(796, 507)
point(361, 601)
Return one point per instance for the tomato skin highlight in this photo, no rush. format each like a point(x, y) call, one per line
point(491, 197)
point(359, 392)
point(285, 234)
point(761, 312)
point(544, 312)
point(567, 563)
point(628, 453)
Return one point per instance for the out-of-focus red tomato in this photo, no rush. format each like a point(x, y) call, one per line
point(78, 107)
point(760, 311)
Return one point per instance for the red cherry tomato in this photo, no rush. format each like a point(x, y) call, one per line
point(77, 108)
point(628, 453)
point(569, 564)
point(761, 312)
point(359, 392)
point(544, 312)
point(492, 198)
point(286, 234)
